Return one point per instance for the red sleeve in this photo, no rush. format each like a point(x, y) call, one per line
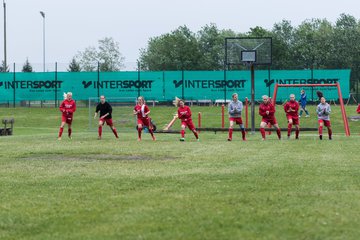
point(62, 107)
point(286, 107)
point(272, 109)
point(189, 112)
point(262, 112)
point(73, 107)
point(146, 109)
point(358, 109)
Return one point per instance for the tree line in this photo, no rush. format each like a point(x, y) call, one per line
point(314, 44)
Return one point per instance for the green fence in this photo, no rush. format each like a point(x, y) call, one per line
point(164, 86)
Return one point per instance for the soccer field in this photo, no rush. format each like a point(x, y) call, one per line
point(213, 189)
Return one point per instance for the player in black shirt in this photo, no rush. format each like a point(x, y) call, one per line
point(105, 110)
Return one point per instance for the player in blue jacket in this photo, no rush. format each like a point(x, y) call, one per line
point(303, 103)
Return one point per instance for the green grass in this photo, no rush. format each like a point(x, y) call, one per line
point(212, 189)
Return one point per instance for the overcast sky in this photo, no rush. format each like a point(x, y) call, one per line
point(73, 25)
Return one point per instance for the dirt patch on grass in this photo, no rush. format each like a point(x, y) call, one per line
point(95, 157)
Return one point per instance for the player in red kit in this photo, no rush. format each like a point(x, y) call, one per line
point(267, 111)
point(184, 114)
point(67, 107)
point(291, 109)
point(142, 111)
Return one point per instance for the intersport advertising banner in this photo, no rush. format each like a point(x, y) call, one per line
point(164, 86)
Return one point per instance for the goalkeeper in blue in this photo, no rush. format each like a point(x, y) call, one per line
point(323, 111)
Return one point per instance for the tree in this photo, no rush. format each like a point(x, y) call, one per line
point(27, 66)
point(283, 40)
point(172, 51)
point(107, 55)
point(4, 68)
point(74, 66)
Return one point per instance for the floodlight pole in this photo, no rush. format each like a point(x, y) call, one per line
point(252, 98)
point(43, 16)
point(5, 62)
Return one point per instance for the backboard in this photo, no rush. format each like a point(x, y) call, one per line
point(241, 50)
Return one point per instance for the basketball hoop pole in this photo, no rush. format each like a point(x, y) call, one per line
point(252, 98)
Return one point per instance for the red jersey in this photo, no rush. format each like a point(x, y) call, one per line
point(141, 110)
point(267, 107)
point(184, 113)
point(68, 107)
point(294, 105)
point(358, 109)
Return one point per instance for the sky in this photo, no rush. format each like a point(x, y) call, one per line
point(73, 25)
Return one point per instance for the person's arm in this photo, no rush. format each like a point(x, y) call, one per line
point(96, 111)
point(230, 108)
point(327, 110)
point(146, 111)
point(62, 107)
point(73, 108)
point(358, 109)
point(189, 113)
point(318, 110)
point(241, 106)
point(272, 109)
point(262, 112)
point(286, 109)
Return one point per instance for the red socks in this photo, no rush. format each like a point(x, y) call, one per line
point(139, 132)
point(230, 133)
point(115, 132)
point(243, 134)
point(262, 130)
point(289, 129)
point(182, 133)
point(278, 133)
point(320, 130)
point(100, 131)
point(61, 131)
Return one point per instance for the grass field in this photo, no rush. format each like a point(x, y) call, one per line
point(213, 189)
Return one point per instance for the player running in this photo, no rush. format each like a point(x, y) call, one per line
point(291, 109)
point(105, 110)
point(267, 111)
point(67, 108)
point(234, 108)
point(323, 111)
point(142, 111)
point(184, 114)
